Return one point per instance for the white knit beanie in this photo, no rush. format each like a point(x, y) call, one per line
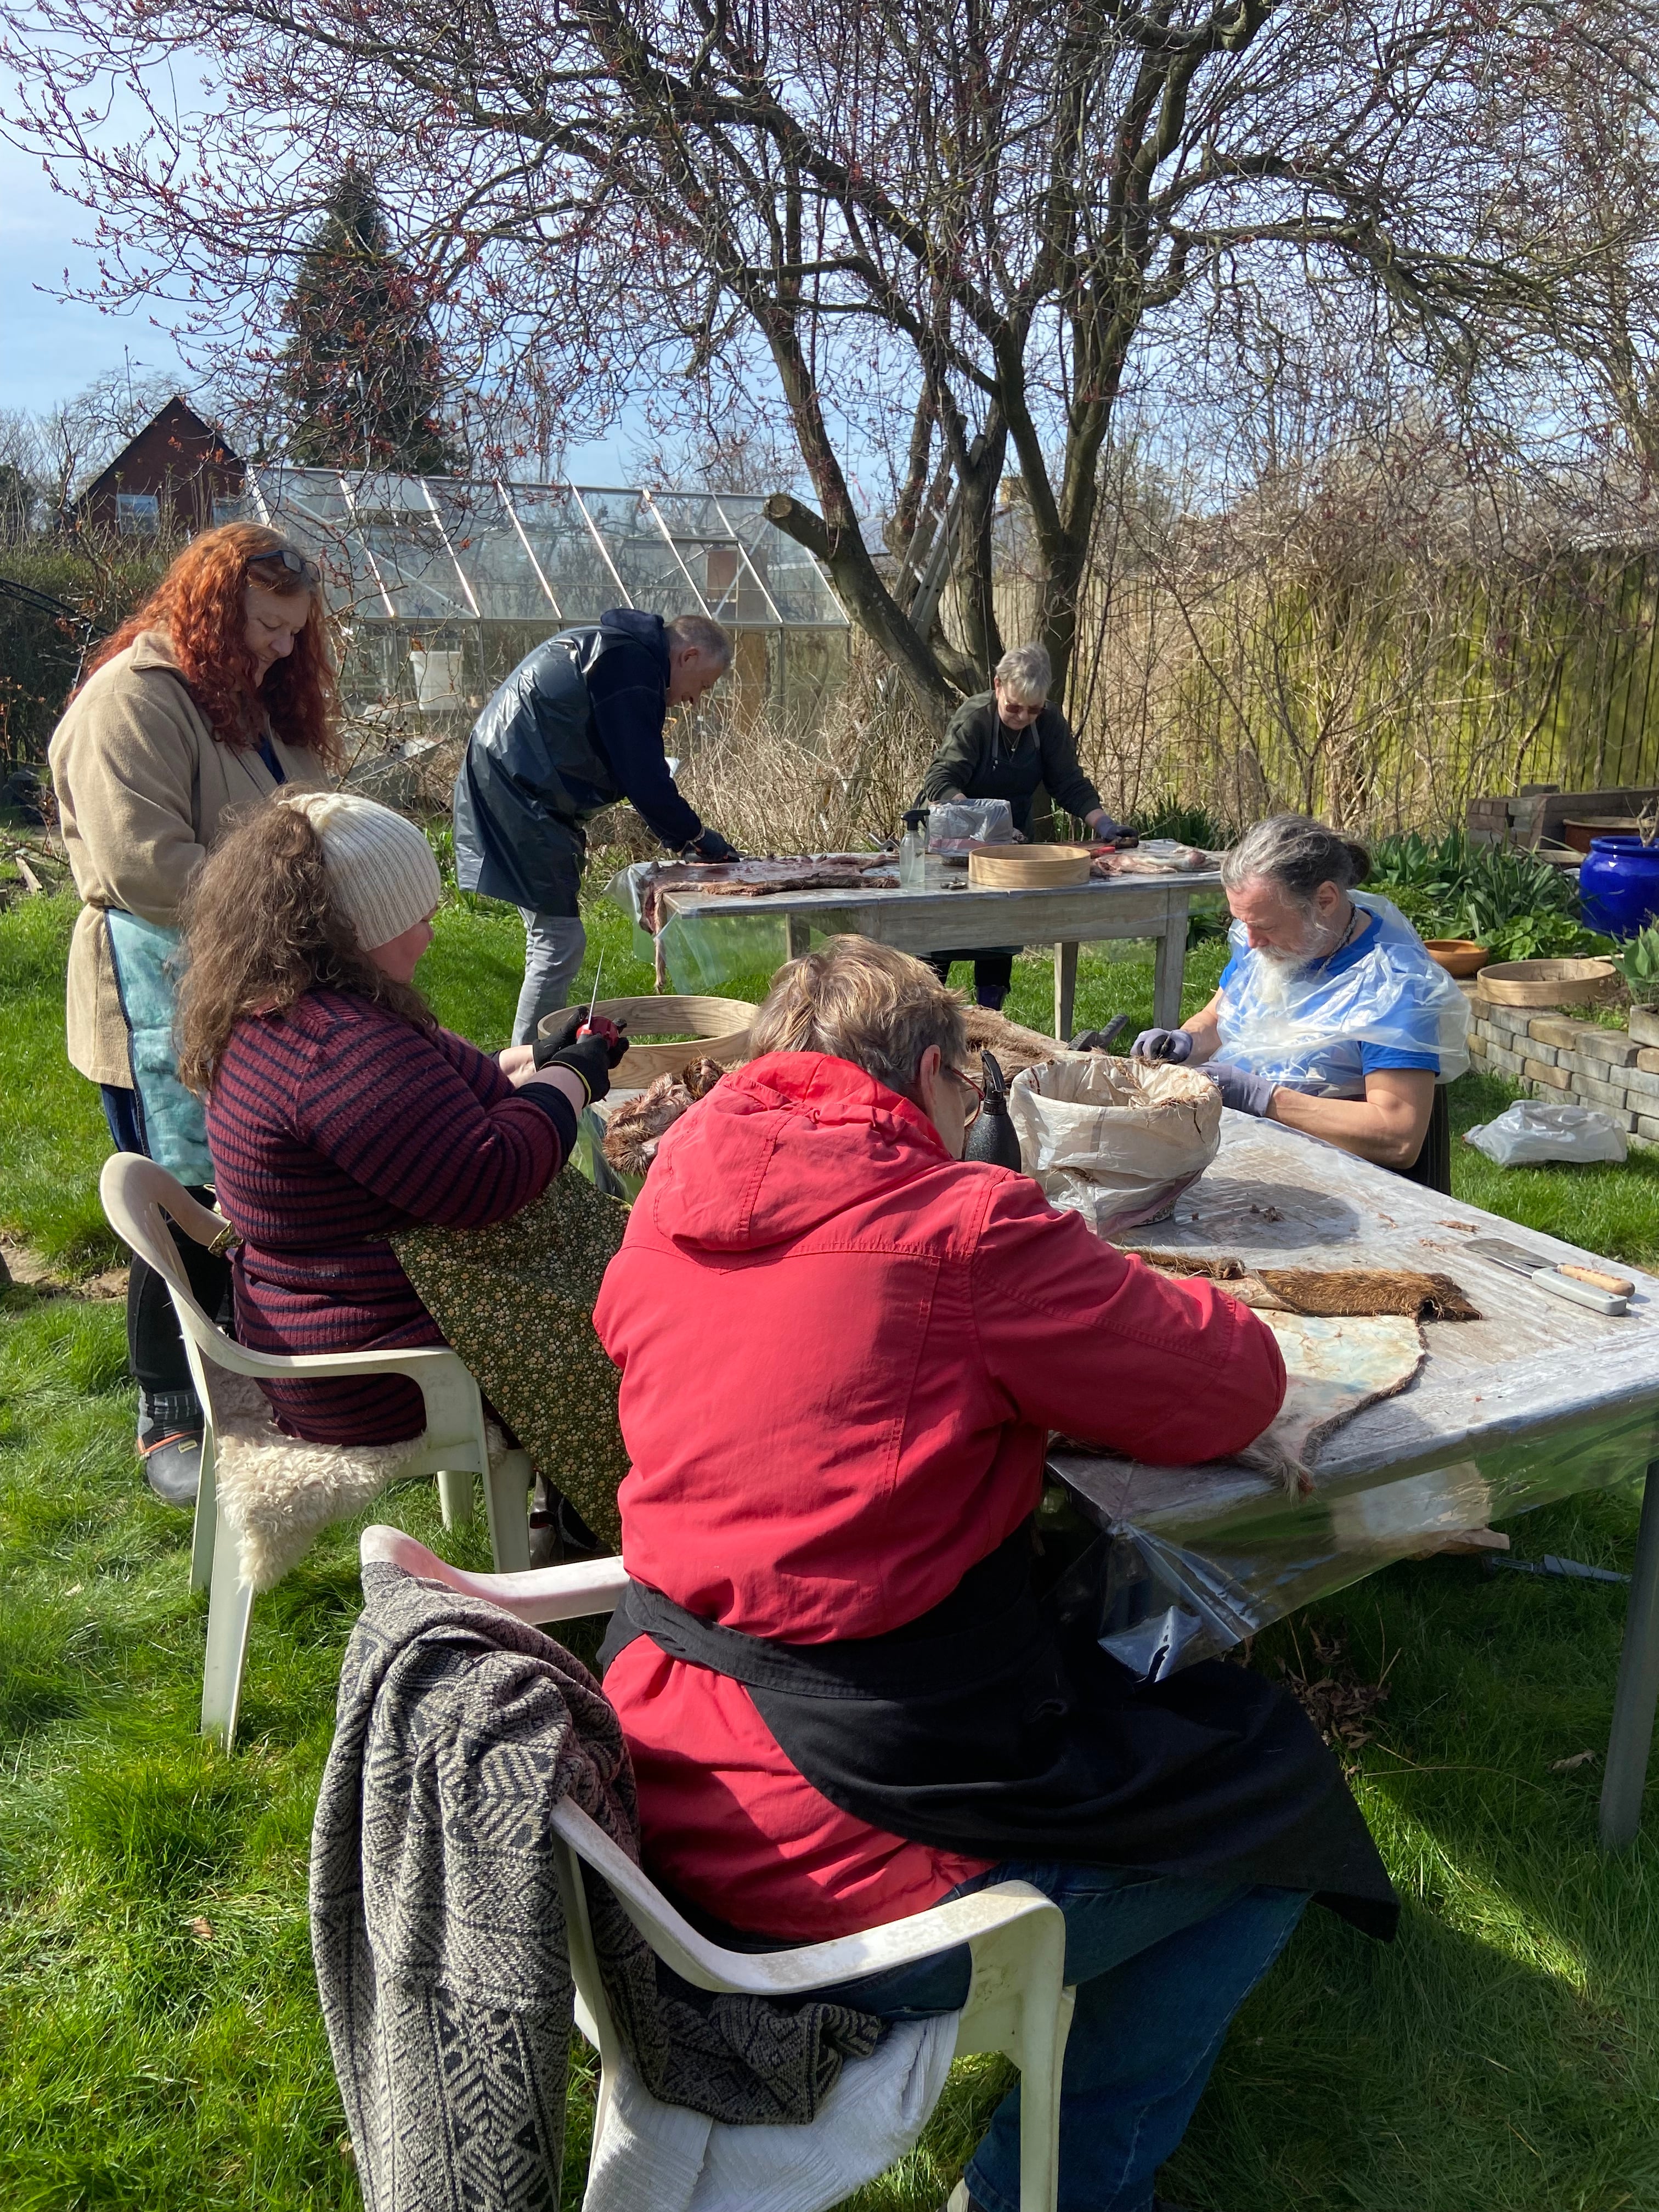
point(379, 866)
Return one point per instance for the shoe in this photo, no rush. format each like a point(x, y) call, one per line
point(170, 1445)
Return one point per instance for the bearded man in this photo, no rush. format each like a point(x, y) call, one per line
point(1330, 1016)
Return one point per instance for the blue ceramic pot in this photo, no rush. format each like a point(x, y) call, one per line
point(1618, 885)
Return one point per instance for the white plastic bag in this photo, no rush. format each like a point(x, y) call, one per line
point(1534, 1130)
point(1115, 1140)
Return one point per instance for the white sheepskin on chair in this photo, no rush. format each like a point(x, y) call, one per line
point(278, 1493)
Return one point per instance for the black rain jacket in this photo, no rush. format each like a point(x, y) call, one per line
point(575, 727)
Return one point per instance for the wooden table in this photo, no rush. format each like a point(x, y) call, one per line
point(923, 922)
point(1536, 1401)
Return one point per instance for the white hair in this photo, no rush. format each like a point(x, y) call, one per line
point(1026, 674)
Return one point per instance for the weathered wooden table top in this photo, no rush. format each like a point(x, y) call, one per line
point(1531, 1365)
point(1116, 904)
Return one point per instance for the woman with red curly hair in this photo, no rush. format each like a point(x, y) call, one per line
point(220, 690)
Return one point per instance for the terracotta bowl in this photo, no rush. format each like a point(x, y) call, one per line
point(1458, 956)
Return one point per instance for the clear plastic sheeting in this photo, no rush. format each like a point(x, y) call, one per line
point(953, 824)
point(1185, 1584)
point(698, 952)
point(1300, 1025)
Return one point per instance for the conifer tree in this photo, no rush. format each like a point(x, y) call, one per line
point(361, 370)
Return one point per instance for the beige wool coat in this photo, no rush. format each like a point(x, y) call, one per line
point(142, 787)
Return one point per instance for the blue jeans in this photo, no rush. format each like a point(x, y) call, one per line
point(554, 947)
point(1161, 1964)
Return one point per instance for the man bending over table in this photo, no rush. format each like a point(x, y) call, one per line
point(843, 1349)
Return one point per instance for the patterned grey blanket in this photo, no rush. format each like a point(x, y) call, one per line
point(438, 1930)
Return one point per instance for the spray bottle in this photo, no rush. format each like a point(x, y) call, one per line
point(913, 851)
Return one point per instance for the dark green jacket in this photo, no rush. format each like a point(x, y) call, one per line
point(981, 758)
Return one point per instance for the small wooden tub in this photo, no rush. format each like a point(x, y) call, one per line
point(716, 1028)
point(1028, 867)
point(1547, 982)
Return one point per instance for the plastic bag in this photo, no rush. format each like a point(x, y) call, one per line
point(1115, 1140)
point(1534, 1130)
point(953, 824)
point(1300, 1025)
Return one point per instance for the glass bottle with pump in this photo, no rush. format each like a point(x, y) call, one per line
point(913, 851)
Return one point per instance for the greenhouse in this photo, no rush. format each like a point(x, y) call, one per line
point(443, 584)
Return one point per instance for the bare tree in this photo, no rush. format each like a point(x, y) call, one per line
point(941, 236)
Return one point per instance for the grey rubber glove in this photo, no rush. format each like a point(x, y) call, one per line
point(1241, 1088)
point(711, 846)
point(1163, 1044)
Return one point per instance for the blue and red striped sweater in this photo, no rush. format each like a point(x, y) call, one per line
point(331, 1127)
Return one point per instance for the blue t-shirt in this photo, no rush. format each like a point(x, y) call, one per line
point(1362, 1059)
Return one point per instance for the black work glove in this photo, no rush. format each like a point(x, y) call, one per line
point(591, 1057)
point(711, 846)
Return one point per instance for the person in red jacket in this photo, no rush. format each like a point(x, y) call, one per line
point(842, 1351)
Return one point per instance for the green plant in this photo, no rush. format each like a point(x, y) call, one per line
point(1637, 961)
point(1516, 905)
point(1167, 815)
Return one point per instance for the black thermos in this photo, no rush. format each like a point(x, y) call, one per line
point(992, 1136)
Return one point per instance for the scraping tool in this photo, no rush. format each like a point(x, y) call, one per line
point(587, 1028)
point(1582, 1286)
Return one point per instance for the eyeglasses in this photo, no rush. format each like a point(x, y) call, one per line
point(297, 564)
point(977, 1105)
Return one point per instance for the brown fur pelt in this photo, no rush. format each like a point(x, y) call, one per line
point(633, 1132)
point(1191, 1263)
point(1014, 1047)
point(1337, 1291)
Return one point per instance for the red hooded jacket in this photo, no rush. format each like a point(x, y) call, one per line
point(842, 1353)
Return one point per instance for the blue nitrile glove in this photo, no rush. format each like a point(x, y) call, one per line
point(711, 846)
point(1241, 1088)
point(1163, 1044)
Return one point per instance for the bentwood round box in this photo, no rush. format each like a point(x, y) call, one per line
point(711, 1029)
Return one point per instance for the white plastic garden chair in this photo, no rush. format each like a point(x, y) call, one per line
point(136, 1194)
point(1017, 2002)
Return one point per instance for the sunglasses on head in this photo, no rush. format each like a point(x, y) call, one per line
point(285, 556)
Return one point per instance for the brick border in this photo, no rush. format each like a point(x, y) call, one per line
point(1553, 1056)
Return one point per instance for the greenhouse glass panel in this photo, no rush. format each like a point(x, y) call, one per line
point(443, 584)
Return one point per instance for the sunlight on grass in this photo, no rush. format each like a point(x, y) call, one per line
point(158, 2013)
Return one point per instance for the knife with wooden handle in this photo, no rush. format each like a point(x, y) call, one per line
point(1620, 1286)
point(1579, 1287)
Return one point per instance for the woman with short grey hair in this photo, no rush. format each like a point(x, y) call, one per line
point(1002, 744)
point(1330, 1016)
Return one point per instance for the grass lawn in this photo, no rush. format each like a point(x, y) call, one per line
point(160, 2042)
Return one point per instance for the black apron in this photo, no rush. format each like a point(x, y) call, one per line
point(995, 1726)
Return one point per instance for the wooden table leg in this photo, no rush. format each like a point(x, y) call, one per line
point(801, 935)
point(1064, 989)
point(1170, 969)
point(1632, 1740)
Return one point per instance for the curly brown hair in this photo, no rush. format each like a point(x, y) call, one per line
point(200, 605)
point(261, 929)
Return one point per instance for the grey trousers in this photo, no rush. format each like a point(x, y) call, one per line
point(553, 949)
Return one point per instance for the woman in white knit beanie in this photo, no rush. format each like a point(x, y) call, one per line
point(381, 873)
point(338, 1112)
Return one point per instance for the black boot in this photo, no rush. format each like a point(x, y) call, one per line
point(170, 1443)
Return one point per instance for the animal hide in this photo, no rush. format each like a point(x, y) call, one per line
point(754, 878)
point(1333, 1370)
point(1015, 1048)
point(633, 1132)
point(278, 1492)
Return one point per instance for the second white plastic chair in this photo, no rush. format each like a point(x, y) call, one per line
point(1017, 2002)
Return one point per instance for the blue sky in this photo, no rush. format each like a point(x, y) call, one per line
point(50, 348)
